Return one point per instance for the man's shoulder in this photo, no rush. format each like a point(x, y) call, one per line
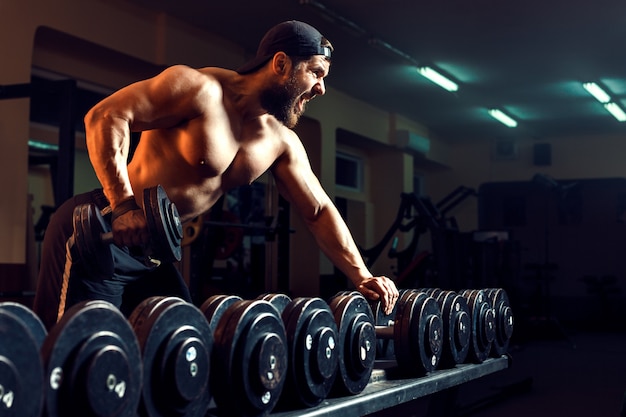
point(208, 83)
point(205, 75)
point(289, 139)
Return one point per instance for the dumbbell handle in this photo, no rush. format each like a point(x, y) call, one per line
point(384, 332)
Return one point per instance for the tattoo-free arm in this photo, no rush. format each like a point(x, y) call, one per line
point(299, 185)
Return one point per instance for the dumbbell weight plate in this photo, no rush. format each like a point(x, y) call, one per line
point(21, 368)
point(457, 325)
point(175, 342)
point(504, 320)
point(417, 333)
point(214, 307)
point(357, 342)
point(94, 253)
point(483, 324)
point(347, 292)
point(280, 301)
point(27, 317)
point(92, 364)
point(433, 292)
point(250, 358)
point(164, 224)
point(313, 351)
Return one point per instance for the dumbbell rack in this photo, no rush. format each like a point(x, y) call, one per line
point(96, 361)
point(384, 391)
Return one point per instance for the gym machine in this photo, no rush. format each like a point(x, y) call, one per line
point(417, 214)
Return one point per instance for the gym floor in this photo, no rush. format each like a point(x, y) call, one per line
point(578, 374)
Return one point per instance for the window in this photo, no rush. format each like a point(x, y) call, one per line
point(349, 171)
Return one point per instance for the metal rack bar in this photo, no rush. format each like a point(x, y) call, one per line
point(385, 392)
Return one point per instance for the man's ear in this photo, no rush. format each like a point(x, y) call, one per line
point(280, 63)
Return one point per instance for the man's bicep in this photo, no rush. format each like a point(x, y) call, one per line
point(300, 186)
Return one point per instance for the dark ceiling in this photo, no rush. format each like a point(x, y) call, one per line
point(527, 58)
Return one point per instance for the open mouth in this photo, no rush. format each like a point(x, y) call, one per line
point(302, 104)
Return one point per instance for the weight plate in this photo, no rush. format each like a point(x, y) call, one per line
point(280, 301)
point(164, 225)
point(28, 318)
point(250, 358)
point(418, 333)
point(313, 351)
point(346, 292)
point(357, 342)
point(21, 367)
point(483, 324)
point(503, 318)
point(92, 364)
point(176, 343)
point(215, 306)
point(93, 252)
point(433, 292)
point(456, 318)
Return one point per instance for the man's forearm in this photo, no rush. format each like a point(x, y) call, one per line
point(108, 143)
point(336, 242)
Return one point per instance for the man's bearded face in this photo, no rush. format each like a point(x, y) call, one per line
point(282, 101)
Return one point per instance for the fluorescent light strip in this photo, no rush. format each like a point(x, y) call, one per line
point(595, 90)
point(600, 95)
point(502, 118)
point(42, 146)
point(616, 111)
point(438, 79)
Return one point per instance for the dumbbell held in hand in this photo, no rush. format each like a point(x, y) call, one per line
point(93, 242)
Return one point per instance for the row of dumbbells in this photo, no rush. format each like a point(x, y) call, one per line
point(248, 356)
point(453, 327)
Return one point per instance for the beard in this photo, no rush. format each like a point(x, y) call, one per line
point(281, 101)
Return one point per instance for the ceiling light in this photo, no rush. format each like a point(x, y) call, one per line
point(616, 111)
point(502, 118)
point(438, 79)
point(601, 95)
point(595, 90)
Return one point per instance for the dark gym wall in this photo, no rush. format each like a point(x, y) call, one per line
point(574, 229)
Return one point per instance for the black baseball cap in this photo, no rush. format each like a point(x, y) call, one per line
point(291, 37)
